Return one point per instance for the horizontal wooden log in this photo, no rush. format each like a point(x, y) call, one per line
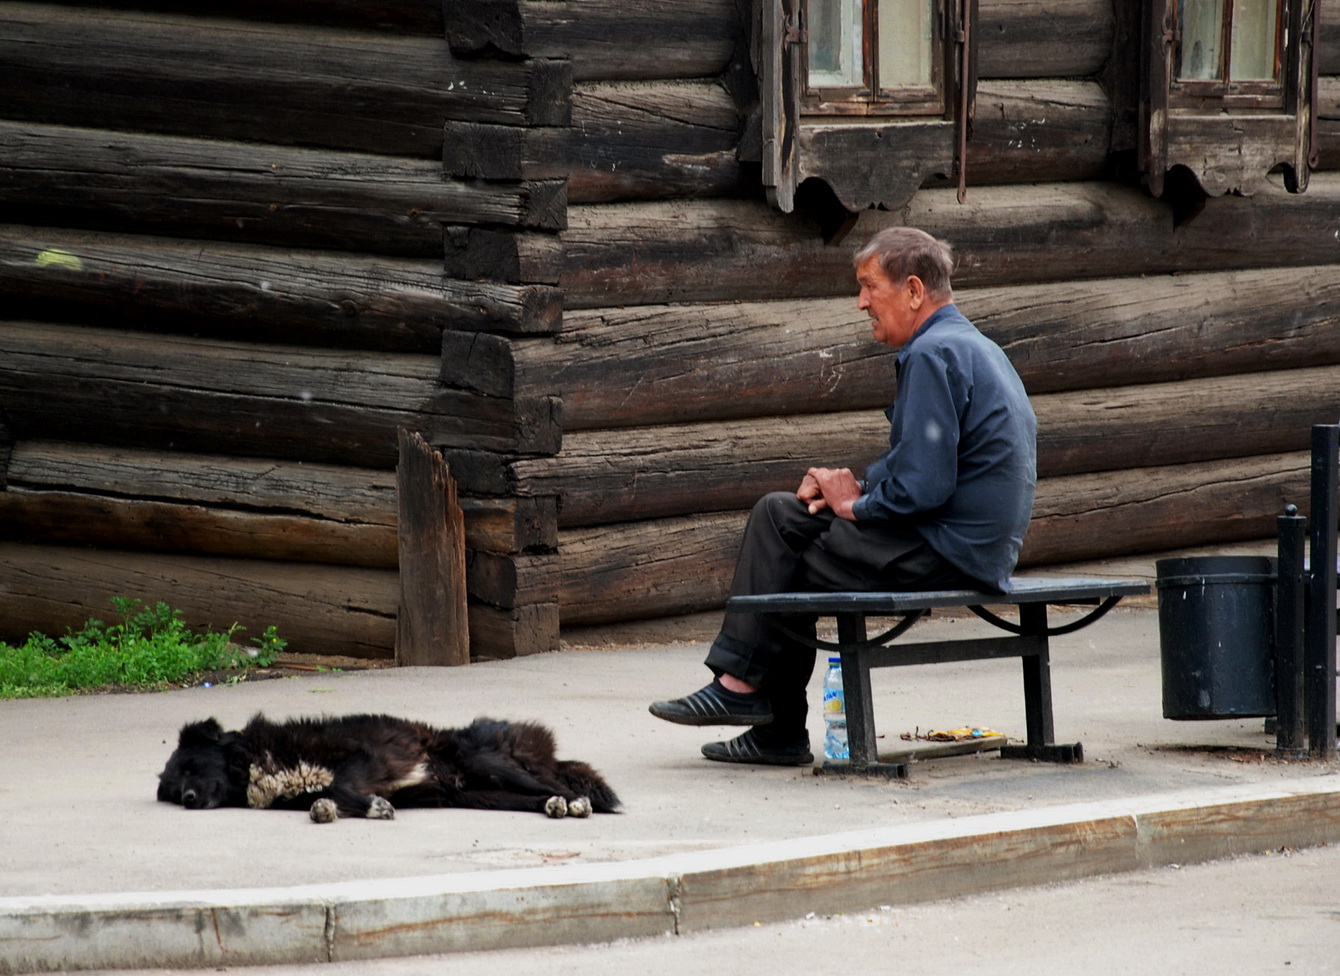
point(694, 38)
point(229, 79)
point(1326, 124)
point(682, 565)
point(407, 16)
point(654, 365)
point(500, 634)
point(241, 292)
point(1039, 132)
point(146, 500)
point(729, 250)
point(657, 472)
point(1043, 38)
point(1328, 51)
point(325, 610)
point(505, 256)
point(276, 195)
point(173, 392)
point(610, 39)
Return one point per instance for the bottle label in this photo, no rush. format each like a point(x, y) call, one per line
point(834, 702)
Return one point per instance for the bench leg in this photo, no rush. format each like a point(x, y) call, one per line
point(864, 754)
point(1038, 695)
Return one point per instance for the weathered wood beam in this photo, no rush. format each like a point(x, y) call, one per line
point(121, 498)
point(606, 39)
point(666, 364)
point(500, 634)
point(431, 623)
point(261, 401)
point(681, 565)
point(1327, 123)
point(657, 472)
point(328, 610)
point(316, 86)
point(329, 299)
point(651, 253)
point(276, 195)
point(609, 39)
point(407, 16)
point(661, 140)
point(518, 258)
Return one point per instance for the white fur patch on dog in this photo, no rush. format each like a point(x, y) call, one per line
point(268, 784)
point(556, 807)
point(580, 807)
point(414, 777)
point(323, 811)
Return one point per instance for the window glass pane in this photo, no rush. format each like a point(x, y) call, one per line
point(1199, 56)
point(835, 43)
point(906, 39)
point(1254, 26)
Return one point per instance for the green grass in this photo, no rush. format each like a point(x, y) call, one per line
point(150, 647)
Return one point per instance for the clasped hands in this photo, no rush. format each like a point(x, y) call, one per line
point(832, 488)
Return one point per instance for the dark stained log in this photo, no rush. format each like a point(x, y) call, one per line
point(209, 504)
point(500, 634)
point(510, 581)
point(628, 141)
point(1039, 131)
point(1043, 38)
point(693, 38)
point(190, 187)
point(230, 79)
point(261, 401)
point(662, 364)
point(1328, 51)
point(657, 472)
point(330, 299)
point(78, 518)
point(503, 256)
point(1153, 509)
point(406, 16)
point(431, 625)
point(609, 39)
point(645, 569)
point(727, 250)
point(327, 610)
point(681, 565)
point(1327, 124)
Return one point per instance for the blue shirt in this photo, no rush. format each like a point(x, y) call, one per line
point(962, 460)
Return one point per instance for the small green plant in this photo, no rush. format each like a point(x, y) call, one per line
point(149, 647)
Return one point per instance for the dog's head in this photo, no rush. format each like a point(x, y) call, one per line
point(197, 773)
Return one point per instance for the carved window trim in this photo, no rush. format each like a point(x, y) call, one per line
point(870, 149)
point(1228, 133)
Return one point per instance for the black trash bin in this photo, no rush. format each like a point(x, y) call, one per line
point(1217, 636)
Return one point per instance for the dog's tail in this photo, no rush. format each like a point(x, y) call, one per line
point(585, 781)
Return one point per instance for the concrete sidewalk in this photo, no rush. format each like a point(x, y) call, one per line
point(97, 874)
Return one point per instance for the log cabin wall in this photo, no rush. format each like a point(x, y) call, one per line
point(221, 259)
point(710, 346)
point(239, 250)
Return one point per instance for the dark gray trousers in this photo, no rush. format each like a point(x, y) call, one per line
point(786, 549)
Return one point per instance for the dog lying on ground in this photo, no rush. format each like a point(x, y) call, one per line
point(367, 765)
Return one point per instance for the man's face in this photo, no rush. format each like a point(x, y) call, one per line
point(891, 307)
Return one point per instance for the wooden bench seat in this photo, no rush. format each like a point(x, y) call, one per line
point(1028, 639)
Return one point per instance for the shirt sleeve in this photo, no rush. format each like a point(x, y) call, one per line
point(920, 471)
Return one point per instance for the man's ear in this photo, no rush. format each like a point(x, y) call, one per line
point(916, 292)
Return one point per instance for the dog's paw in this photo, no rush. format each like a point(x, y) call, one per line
point(323, 811)
point(556, 807)
point(580, 807)
point(380, 809)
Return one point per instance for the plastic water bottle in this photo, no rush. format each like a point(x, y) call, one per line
point(835, 712)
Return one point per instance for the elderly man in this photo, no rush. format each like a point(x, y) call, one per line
point(946, 506)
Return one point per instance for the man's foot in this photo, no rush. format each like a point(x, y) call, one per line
point(715, 705)
point(754, 748)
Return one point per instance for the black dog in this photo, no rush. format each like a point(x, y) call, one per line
point(367, 765)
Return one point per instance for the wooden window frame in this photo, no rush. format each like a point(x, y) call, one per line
point(871, 99)
point(1254, 94)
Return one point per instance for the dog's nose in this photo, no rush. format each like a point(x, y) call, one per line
point(188, 798)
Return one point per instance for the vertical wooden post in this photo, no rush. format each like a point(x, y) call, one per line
point(431, 627)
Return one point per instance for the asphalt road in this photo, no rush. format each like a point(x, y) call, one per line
point(1276, 912)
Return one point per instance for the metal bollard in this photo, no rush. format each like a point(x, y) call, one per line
point(1290, 589)
point(1319, 643)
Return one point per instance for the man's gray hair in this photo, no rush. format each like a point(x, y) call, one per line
point(904, 251)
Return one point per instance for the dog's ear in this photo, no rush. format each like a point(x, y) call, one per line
point(206, 733)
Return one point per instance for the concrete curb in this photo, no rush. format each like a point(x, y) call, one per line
point(674, 894)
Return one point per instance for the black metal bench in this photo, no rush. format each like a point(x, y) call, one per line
point(1028, 641)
